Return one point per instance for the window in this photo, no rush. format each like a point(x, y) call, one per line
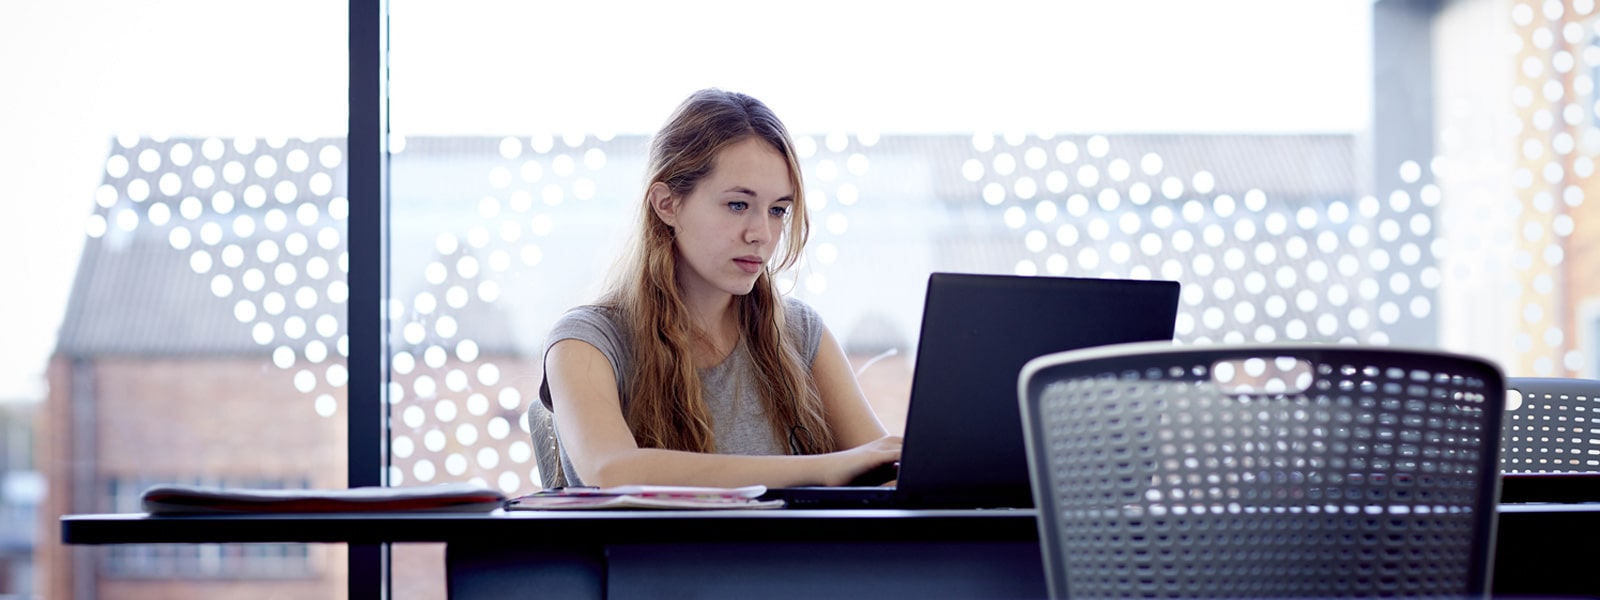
point(1271, 158)
point(1032, 138)
point(1338, 170)
point(177, 260)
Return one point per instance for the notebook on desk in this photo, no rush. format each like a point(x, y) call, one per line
point(963, 436)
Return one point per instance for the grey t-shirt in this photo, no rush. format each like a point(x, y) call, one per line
point(738, 418)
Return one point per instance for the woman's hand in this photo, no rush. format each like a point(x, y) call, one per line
point(846, 465)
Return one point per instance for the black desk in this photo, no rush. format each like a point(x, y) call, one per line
point(1541, 549)
point(763, 553)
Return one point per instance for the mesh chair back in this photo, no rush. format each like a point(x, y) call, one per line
point(546, 451)
point(1263, 471)
point(1551, 426)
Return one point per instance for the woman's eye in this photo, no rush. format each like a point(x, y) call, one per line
point(780, 211)
point(738, 206)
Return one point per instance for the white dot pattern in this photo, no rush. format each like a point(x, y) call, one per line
point(1553, 124)
point(1259, 262)
point(262, 225)
point(1250, 252)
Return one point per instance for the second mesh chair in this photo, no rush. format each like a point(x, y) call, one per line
point(1263, 471)
point(1553, 427)
point(1550, 444)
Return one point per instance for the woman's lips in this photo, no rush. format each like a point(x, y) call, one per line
point(749, 264)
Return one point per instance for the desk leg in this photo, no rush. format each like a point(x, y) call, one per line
point(524, 571)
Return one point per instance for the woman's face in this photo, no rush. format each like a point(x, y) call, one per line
point(730, 224)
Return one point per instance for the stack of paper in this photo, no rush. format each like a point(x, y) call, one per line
point(645, 496)
point(446, 497)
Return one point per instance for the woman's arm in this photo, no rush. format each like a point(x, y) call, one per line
point(851, 417)
point(588, 413)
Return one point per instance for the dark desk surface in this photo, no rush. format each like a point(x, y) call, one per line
point(621, 527)
point(598, 554)
point(1541, 549)
point(638, 526)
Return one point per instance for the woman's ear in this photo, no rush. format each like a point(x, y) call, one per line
point(661, 201)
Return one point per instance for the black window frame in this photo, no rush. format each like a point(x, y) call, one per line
point(368, 188)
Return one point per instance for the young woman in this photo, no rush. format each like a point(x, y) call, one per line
point(692, 369)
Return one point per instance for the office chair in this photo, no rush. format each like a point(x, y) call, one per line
point(546, 450)
point(1282, 471)
point(1551, 426)
point(1550, 445)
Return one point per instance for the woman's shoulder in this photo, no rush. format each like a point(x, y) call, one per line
point(591, 316)
point(804, 325)
point(588, 322)
point(798, 311)
point(590, 313)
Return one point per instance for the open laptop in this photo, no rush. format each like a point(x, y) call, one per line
point(963, 437)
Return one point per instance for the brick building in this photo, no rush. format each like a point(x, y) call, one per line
point(204, 343)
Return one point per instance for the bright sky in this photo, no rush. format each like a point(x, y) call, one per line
point(74, 73)
point(891, 66)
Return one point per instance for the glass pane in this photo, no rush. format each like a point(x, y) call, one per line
point(176, 263)
point(1338, 170)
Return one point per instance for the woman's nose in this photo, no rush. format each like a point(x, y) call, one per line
point(755, 231)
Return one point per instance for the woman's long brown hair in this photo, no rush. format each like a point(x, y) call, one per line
point(665, 407)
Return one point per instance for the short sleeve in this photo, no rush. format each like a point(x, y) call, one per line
point(591, 325)
point(805, 326)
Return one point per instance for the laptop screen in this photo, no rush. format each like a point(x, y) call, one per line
point(963, 438)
